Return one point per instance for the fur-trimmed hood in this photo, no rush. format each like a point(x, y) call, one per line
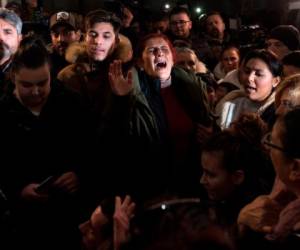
point(76, 52)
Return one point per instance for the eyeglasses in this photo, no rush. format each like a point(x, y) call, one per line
point(266, 140)
point(179, 22)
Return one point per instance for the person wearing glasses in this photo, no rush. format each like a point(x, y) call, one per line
point(181, 32)
point(286, 99)
point(276, 216)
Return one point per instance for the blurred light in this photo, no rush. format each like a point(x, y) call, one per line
point(198, 10)
point(201, 16)
point(163, 206)
point(167, 6)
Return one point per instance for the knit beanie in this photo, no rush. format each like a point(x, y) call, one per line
point(287, 34)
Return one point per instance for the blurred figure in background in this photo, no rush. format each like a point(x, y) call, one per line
point(291, 63)
point(64, 31)
point(229, 60)
point(282, 40)
point(10, 37)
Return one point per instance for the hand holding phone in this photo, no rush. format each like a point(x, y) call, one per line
point(46, 184)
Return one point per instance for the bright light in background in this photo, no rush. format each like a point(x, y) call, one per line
point(198, 10)
point(163, 207)
point(167, 6)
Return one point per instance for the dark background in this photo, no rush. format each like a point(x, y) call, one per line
point(268, 13)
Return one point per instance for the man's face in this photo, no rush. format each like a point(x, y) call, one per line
point(180, 25)
point(215, 26)
point(101, 41)
point(277, 47)
point(32, 86)
point(9, 41)
point(62, 36)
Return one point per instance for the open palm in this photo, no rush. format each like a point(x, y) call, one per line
point(119, 84)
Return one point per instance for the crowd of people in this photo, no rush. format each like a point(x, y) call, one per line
point(119, 133)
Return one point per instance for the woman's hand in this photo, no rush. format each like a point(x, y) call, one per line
point(119, 84)
point(123, 213)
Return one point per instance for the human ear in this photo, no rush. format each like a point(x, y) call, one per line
point(276, 81)
point(117, 39)
point(78, 35)
point(295, 170)
point(140, 63)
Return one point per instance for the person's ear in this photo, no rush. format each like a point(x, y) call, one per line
point(295, 170)
point(190, 24)
point(78, 35)
point(238, 177)
point(20, 37)
point(140, 63)
point(117, 39)
point(276, 81)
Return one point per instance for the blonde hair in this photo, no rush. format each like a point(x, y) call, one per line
point(290, 84)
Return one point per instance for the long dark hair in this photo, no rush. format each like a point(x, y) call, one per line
point(268, 58)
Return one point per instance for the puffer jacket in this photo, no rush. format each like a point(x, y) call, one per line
point(89, 78)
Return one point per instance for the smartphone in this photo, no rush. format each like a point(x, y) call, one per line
point(46, 184)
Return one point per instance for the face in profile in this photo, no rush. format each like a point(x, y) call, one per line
point(157, 58)
point(258, 80)
point(101, 41)
point(217, 181)
point(32, 86)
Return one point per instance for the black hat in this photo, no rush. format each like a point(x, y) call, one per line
point(287, 34)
